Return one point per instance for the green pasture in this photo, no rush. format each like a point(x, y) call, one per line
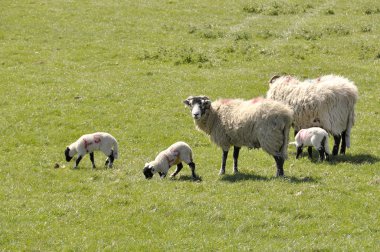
point(72, 67)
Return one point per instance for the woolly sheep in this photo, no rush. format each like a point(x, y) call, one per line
point(254, 123)
point(93, 142)
point(327, 102)
point(174, 155)
point(313, 136)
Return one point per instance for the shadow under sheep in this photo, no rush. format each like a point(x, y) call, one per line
point(249, 176)
point(347, 158)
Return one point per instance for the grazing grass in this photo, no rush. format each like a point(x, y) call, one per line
point(74, 67)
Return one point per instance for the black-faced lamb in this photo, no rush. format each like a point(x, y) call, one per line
point(254, 123)
point(327, 102)
point(174, 155)
point(313, 136)
point(89, 143)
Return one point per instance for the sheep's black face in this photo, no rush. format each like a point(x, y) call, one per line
point(67, 154)
point(198, 105)
point(148, 172)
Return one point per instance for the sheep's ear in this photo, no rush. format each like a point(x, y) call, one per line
point(274, 78)
point(187, 102)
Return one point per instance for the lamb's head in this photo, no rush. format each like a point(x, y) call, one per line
point(198, 105)
point(149, 170)
point(67, 154)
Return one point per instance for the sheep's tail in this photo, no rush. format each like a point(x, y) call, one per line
point(325, 144)
point(115, 149)
point(350, 123)
point(284, 147)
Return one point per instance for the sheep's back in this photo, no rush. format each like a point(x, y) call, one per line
point(326, 104)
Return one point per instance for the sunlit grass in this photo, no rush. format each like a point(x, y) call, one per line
point(73, 67)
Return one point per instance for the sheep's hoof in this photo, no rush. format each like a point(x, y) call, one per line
point(236, 172)
point(222, 172)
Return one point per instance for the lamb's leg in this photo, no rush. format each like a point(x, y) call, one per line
point(343, 146)
point(236, 156)
point(299, 151)
point(192, 167)
point(92, 160)
point(77, 162)
point(224, 160)
point(111, 159)
point(280, 166)
point(179, 168)
point(310, 151)
point(107, 161)
point(336, 145)
point(321, 153)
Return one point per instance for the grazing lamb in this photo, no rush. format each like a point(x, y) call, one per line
point(254, 123)
point(174, 155)
point(313, 136)
point(92, 142)
point(327, 102)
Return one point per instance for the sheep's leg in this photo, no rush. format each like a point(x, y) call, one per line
point(107, 161)
point(343, 146)
point(236, 156)
point(280, 166)
point(77, 162)
point(179, 168)
point(92, 160)
point(336, 145)
point(310, 151)
point(299, 151)
point(192, 167)
point(224, 160)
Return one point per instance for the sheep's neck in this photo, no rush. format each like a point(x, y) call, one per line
point(206, 122)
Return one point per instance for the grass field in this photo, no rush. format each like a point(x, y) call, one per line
point(73, 67)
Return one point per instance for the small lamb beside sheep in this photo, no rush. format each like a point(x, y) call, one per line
point(254, 123)
point(174, 155)
point(313, 136)
point(93, 142)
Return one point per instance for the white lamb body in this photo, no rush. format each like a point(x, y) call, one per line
point(99, 141)
point(313, 136)
point(174, 155)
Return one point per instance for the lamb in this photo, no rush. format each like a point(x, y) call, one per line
point(92, 142)
point(234, 122)
point(327, 102)
point(174, 155)
point(313, 136)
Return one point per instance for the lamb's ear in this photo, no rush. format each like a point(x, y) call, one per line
point(274, 78)
point(187, 102)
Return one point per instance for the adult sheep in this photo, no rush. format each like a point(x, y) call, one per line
point(327, 102)
point(234, 122)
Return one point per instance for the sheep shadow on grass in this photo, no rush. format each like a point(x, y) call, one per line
point(249, 176)
point(187, 178)
point(354, 159)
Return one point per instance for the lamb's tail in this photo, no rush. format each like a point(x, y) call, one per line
point(115, 150)
point(350, 123)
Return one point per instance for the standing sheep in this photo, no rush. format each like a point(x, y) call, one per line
point(313, 136)
point(327, 102)
point(174, 155)
point(255, 123)
point(92, 142)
